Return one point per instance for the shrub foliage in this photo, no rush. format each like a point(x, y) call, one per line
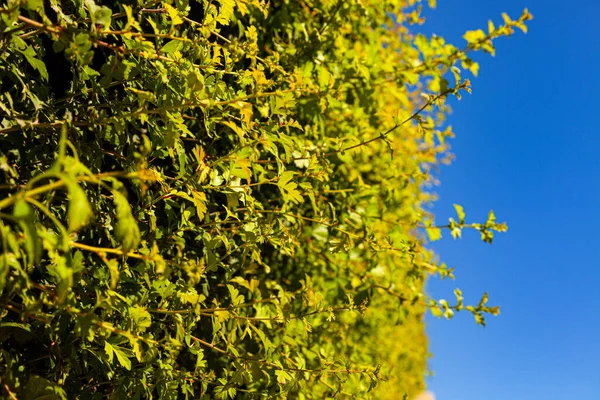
point(223, 198)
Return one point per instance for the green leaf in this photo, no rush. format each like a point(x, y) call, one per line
point(141, 318)
point(173, 14)
point(263, 338)
point(122, 356)
point(36, 63)
point(236, 297)
point(234, 127)
point(131, 21)
point(191, 297)
point(283, 376)
point(113, 269)
point(23, 212)
point(226, 11)
point(143, 95)
point(171, 46)
point(127, 230)
point(39, 388)
point(79, 211)
point(112, 350)
point(64, 276)
point(103, 16)
point(288, 188)
point(15, 325)
point(34, 5)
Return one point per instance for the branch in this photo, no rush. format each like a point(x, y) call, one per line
point(384, 135)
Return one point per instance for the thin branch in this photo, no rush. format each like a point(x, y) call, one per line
point(10, 393)
point(106, 250)
point(384, 135)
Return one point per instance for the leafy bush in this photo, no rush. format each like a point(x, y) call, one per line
point(222, 198)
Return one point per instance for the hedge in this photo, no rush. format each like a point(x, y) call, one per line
point(223, 198)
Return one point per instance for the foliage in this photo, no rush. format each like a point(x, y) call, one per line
point(223, 198)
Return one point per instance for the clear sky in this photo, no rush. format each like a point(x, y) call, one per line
point(527, 146)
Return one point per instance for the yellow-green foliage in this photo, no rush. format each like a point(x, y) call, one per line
point(222, 198)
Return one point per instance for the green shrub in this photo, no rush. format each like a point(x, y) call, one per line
point(222, 198)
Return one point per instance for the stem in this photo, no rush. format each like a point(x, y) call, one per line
point(11, 394)
point(392, 129)
point(106, 250)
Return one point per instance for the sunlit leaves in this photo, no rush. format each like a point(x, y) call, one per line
point(199, 199)
point(225, 11)
point(121, 353)
point(131, 22)
point(283, 376)
point(79, 211)
point(141, 318)
point(434, 233)
point(173, 15)
point(127, 230)
point(171, 46)
point(100, 15)
point(236, 298)
point(34, 61)
point(289, 188)
point(475, 37)
point(113, 270)
point(239, 199)
point(80, 50)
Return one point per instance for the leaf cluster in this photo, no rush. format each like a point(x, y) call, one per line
point(222, 198)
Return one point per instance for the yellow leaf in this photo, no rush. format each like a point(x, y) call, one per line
point(434, 233)
point(200, 203)
point(173, 14)
point(235, 128)
point(474, 36)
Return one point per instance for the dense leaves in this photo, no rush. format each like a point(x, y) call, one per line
point(223, 199)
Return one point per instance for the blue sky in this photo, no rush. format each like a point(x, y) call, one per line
point(528, 147)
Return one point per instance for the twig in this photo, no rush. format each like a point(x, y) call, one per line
point(392, 129)
point(11, 394)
